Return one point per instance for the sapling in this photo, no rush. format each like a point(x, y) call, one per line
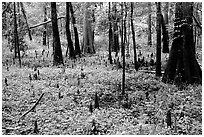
point(91, 108)
point(168, 118)
point(30, 77)
point(59, 95)
point(43, 51)
point(35, 127)
point(78, 80)
point(78, 91)
point(13, 61)
point(57, 86)
point(96, 100)
point(36, 54)
point(35, 76)
point(6, 82)
point(147, 95)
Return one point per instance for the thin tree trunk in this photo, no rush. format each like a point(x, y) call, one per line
point(58, 59)
point(123, 52)
point(121, 30)
point(158, 49)
point(16, 38)
point(45, 25)
point(77, 47)
point(93, 22)
point(110, 35)
point(69, 40)
point(24, 15)
point(125, 27)
point(133, 38)
point(149, 25)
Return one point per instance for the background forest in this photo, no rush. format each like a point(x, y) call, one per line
point(101, 68)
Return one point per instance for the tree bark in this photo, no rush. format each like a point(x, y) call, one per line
point(58, 59)
point(110, 35)
point(68, 33)
point(133, 38)
point(123, 52)
point(116, 46)
point(165, 36)
point(125, 27)
point(45, 25)
point(88, 46)
point(164, 28)
point(77, 46)
point(149, 25)
point(182, 66)
point(158, 49)
point(16, 38)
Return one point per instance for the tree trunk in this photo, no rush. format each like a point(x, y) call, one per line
point(24, 15)
point(68, 33)
point(125, 27)
point(45, 25)
point(77, 47)
point(88, 46)
point(58, 59)
point(133, 38)
point(149, 25)
point(110, 35)
point(182, 66)
point(158, 49)
point(123, 52)
point(121, 30)
point(165, 36)
point(164, 29)
point(16, 38)
point(116, 46)
point(93, 22)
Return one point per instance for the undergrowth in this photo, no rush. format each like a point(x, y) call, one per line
point(69, 90)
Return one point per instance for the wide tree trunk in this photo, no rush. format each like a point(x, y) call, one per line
point(133, 37)
point(158, 48)
point(182, 66)
point(58, 59)
point(68, 33)
point(88, 46)
point(77, 47)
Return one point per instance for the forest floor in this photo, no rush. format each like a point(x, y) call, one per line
point(68, 92)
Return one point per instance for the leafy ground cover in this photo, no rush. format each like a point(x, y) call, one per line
point(68, 92)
